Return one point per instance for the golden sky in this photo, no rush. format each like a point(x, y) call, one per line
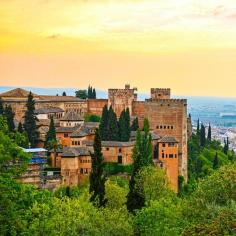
point(187, 45)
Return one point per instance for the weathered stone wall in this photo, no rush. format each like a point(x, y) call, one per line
point(121, 99)
point(95, 106)
point(160, 93)
point(169, 117)
point(19, 106)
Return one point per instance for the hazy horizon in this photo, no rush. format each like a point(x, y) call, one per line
point(187, 46)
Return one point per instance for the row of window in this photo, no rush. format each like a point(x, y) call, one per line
point(71, 124)
point(84, 170)
point(55, 115)
point(85, 161)
point(169, 155)
point(169, 145)
point(107, 149)
point(76, 143)
point(165, 127)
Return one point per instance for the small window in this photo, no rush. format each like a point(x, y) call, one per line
point(107, 149)
point(171, 155)
point(164, 127)
point(73, 143)
point(172, 127)
point(168, 127)
point(161, 127)
point(65, 135)
point(166, 155)
point(163, 145)
point(175, 155)
point(81, 171)
point(158, 127)
point(163, 155)
point(120, 150)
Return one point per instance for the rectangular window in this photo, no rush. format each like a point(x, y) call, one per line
point(107, 149)
point(65, 135)
point(73, 143)
point(163, 145)
point(81, 171)
point(175, 155)
point(171, 155)
point(163, 155)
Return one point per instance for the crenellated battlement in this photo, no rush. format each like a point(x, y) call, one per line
point(167, 101)
point(160, 93)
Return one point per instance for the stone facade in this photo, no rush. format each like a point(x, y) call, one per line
point(121, 99)
point(17, 98)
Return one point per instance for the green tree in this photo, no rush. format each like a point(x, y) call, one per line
point(97, 178)
point(113, 129)
point(136, 197)
point(124, 126)
point(202, 136)
point(146, 146)
point(51, 134)
point(64, 93)
point(216, 161)
point(10, 118)
point(94, 94)
point(209, 133)
point(198, 126)
point(1, 107)
point(135, 125)
point(20, 128)
point(103, 127)
point(82, 94)
point(30, 125)
point(92, 118)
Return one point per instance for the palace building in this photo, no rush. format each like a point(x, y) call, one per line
point(169, 124)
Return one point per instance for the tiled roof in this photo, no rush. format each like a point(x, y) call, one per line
point(168, 139)
point(71, 116)
point(60, 98)
point(75, 152)
point(66, 129)
point(18, 92)
point(117, 144)
point(48, 110)
point(86, 129)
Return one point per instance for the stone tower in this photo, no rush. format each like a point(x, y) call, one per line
point(121, 99)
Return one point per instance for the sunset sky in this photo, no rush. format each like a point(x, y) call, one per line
point(187, 45)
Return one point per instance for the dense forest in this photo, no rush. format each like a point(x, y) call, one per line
point(205, 206)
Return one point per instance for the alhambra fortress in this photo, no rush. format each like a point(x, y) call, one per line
point(169, 124)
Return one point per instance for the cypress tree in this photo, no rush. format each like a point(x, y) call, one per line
point(97, 178)
point(198, 126)
point(135, 125)
point(51, 134)
point(127, 123)
point(20, 128)
point(142, 157)
point(64, 93)
point(113, 129)
point(135, 197)
point(89, 92)
point(216, 162)
point(103, 127)
point(1, 107)
point(94, 93)
point(124, 126)
point(10, 118)
point(30, 121)
point(146, 147)
point(209, 133)
point(202, 136)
